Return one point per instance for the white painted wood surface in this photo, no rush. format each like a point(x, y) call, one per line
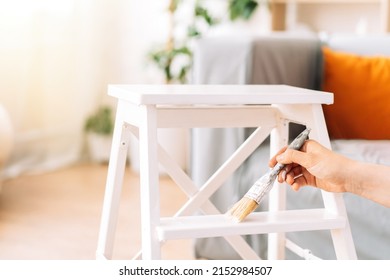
point(217, 94)
point(277, 195)
point(255, 223)
point(144, 108)
point(113, 189)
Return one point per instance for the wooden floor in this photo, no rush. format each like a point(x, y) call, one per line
point(57, 216)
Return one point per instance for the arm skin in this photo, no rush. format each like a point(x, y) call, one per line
point(318, 166)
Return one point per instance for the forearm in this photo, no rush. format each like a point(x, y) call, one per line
point(370, 181)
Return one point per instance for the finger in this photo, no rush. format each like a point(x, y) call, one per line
point(293, 174)
point(282, 176)
point(299, 182)
point(290, 178)
point(295, 182)
point(294, 156)
point(272, 162)
point(296, 186)
point(283, 173)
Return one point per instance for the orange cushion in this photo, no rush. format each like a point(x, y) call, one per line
point(361, 88)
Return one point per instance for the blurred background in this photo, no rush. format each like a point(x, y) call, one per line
point(58, 56)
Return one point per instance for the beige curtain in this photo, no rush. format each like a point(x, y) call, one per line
point(56, 59)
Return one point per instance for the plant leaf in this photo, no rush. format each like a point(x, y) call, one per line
point(242, 9)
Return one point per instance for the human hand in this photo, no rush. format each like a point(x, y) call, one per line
point(313, 165)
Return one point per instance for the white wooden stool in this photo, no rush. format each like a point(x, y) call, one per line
point(142, 109)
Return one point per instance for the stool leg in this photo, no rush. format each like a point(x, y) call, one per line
point(113, 190)
point(277, 196)
point(149, 182)
point(312, 116)
point(334, 202)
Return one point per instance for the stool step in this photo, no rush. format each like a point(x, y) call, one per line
point(255, 223)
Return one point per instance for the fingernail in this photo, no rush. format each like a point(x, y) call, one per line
point(284, 175)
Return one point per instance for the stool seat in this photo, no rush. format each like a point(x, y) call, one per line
point(217, 94)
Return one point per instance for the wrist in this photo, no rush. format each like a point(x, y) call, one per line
point(353, 180)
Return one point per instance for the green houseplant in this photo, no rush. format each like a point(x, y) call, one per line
point(242, 9)
point(99, 127)
point(101, 121)
point(174, 57)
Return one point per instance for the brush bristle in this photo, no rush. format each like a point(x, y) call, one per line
point(242, 209)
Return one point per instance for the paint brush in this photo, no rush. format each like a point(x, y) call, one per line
point(262, 186)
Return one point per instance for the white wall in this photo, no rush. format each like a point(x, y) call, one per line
point(338, 17)
point(147, 25)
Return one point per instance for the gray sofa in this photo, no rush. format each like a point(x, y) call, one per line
point(297, 61)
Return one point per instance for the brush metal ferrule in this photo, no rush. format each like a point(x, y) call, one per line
point(262, 186)
point(257, 194)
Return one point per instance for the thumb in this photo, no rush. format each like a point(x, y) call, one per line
point(294, 156)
